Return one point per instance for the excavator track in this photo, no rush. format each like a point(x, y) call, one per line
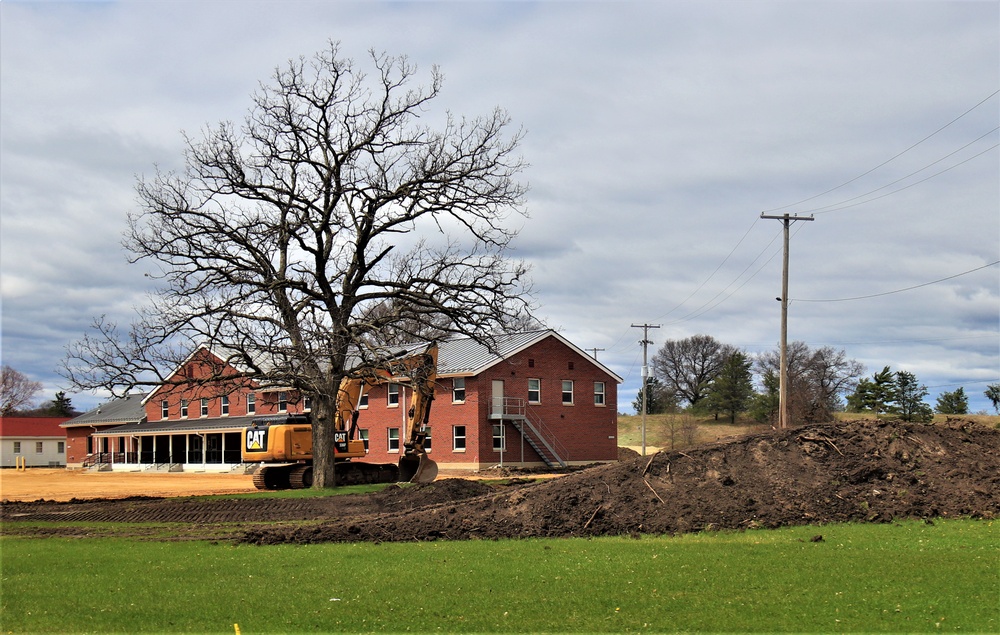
point(350, 473)
point(272, 477)
point(301, 477)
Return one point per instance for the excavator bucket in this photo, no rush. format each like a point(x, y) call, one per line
point(417, 468)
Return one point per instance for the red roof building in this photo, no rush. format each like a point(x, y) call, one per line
point(32, 441)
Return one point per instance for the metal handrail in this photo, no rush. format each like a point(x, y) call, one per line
point(515, 406)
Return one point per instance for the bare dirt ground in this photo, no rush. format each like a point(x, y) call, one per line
point(868, 471)
point(59, 484)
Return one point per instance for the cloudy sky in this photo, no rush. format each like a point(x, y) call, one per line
point(656, 132)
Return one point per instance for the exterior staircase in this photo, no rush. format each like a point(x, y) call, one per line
point(533, 430)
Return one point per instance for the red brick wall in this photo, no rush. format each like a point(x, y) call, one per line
point(587, 432)
point(201, 366)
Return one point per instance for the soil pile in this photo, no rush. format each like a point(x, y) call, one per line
point(871, 471)
point(874, 471)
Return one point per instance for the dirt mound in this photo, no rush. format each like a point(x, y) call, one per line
point(873, 471)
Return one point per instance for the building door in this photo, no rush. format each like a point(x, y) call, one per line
point(497, 401)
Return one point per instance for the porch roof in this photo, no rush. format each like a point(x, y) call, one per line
point(214, 424)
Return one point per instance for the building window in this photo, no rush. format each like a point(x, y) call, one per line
point(534, 391)
point(427, 439)
point(61, 447)
point(394, 439)
point(184, 408)
point(204, 406)
point(282, 401)
point(531, 362)
point(363, 402)
point(17, 446)
point(458, 438)
point(38, 447)
point(598, 393)
point(571, 365)
point(567, 392)
point(393, 395)
point(458, 390)
point(251, 403)
point(164, 409)
point(307, 404)
point(499, 441)
point(364, 437)
point(224, 405)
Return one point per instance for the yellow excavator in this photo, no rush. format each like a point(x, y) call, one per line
point(282, 444)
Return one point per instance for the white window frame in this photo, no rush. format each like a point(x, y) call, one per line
point(184, 408)
point(307, 404)
point(456, 437)
point(61, 447)
point(600, 394)
point(392, 439)
point(17, 447)
point(537, 390)
point(251, 403)
point(569, 383)
point(392, 396)
point(224, 405)
point(363, 435)
point(39, 447)
point(164, 409)
point(502, 437)
point(282, 401)
point(427, 439)
point(204, 406)
point(458, 390)
point(363, 401)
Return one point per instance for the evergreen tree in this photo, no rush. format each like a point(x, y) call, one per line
point(992, 393)
point(731, 391)
point(953, 403)
point(872, 395)
point(658, 399)
point(763, 406)
point(61, 406)
point(908, 400)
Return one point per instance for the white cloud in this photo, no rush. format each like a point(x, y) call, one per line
point(656, 134)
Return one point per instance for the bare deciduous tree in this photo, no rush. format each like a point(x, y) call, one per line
point(17, 390)
point(331, 216)
point(687, 367)
point(817, 379)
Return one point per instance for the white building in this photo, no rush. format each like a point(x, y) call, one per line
point(36, 441)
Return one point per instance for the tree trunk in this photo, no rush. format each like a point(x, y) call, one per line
point(324, 470)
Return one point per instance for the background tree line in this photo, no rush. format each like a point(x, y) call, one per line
point(701, 375)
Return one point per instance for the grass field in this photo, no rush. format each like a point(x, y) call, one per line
point(906, 577)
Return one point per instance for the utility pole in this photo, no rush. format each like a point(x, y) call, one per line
point(783, 371)
point(645, 341)
point(593, 352)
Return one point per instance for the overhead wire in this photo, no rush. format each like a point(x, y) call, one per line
point(842, 205)
point(918, 286)
point(887, 161)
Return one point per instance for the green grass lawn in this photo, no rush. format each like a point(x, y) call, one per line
point(906, 577)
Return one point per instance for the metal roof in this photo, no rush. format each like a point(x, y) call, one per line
point(215, 424)
point(128, 409)
point(465, 356)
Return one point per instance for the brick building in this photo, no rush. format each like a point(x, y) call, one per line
point(536, 400)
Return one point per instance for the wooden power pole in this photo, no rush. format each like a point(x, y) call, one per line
point(783, 422)
point(645, 341)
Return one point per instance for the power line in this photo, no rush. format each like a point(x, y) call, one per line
point(887, 161)
point(905, 187)
point(843, 204)
point(926, 284)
